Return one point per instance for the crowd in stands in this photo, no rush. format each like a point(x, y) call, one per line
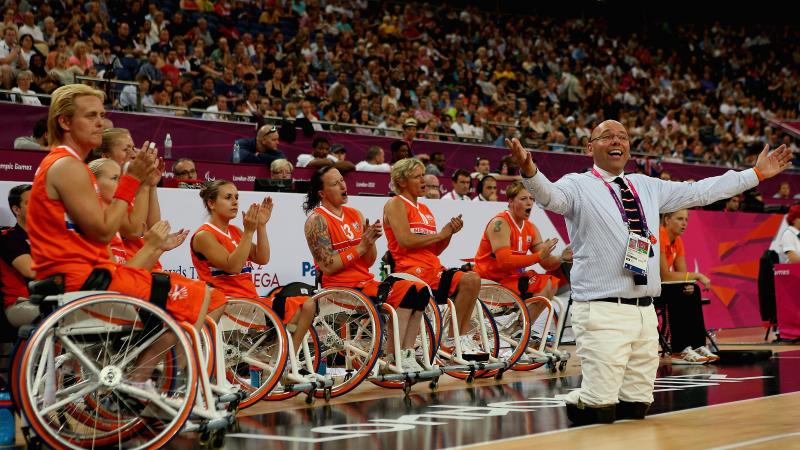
point(686, 93)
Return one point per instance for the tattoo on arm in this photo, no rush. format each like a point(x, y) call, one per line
point(319, 241)
point(498, 226)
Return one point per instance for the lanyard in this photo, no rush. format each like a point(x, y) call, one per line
point(622, 209)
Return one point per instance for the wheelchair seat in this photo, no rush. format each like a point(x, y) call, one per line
point(53, 285)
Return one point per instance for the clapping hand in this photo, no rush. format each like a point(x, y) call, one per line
point(265, 211)
point(371, 232)
point(250, 218)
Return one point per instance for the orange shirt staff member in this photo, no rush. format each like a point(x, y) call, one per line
point(69, 229)
point(511, 242)
point(415, 244)
point(343, 246)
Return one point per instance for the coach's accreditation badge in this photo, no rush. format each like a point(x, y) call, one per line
point(636, 254)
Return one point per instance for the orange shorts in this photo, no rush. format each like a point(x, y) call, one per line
point(536, 282)
point(290, 307)
point(185, 299)
point(396, 294)
point(433, 277)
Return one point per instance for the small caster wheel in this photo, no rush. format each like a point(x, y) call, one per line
point(562, 366)
point(327, 394)
point(219, 440)
point(471, 378)
point(234, 427)
point(205, 437)
point(434, 384)
point(406, 388)
point(310, 397)
point(499, 376)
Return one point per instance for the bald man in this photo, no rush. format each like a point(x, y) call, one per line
point(263, 149)
point(612, 221)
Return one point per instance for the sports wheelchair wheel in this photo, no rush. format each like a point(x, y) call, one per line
point(474, 331)
point(512, 320)
point(75, 383)
point(349, 330)
point(255, 347)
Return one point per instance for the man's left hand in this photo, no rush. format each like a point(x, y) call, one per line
point(775, 162)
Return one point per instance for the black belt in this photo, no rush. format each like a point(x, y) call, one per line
point(640, 301)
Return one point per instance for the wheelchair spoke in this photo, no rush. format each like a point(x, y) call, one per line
point(71, 399)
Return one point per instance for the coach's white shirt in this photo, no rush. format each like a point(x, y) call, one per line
point(599, 236)
point(790, 241)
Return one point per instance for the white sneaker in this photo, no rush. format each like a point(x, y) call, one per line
point(704, 351)
point(688, 356)
point(409, 361)
point(470, 349)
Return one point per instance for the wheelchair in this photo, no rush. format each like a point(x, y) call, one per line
point(73, 372)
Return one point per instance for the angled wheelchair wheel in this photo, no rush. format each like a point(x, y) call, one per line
point(512, 320)
point(349, 330)
point(255, 347)
point(475, 332)
point(76, 382)
point(281, 392)
point(542, 319)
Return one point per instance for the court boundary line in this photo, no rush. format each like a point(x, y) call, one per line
point(546, 433)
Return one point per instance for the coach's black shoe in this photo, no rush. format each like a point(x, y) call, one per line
point(586, 415)
point(632, 410)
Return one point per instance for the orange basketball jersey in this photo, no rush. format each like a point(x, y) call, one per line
point(520, 242)
point(421, 221)
point(57, 243)
point(233, 285)
point(345, 231)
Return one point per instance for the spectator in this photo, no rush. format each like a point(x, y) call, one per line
point(487, 190)
point(374, 161)
point(784, 191)
point(431, 187)
point(437, 165)
point(184, 170)
point(27, 95)
point(281, 169)
point(263, 149)
point(320, 154)
point(29, 27)
point(11, 59)
point(733, 204)
point(339, 152)
point(410, 133)
point(481, 168)
point(400, 150)
point(80, 57)
point(150, 67)
point(220, 107)
point(461, 183)
point(15, 252)
point(36, 142)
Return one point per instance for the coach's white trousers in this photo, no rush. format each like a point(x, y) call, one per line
point(618, 348)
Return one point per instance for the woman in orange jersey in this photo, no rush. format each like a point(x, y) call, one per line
point(511, 243)
point(107, 173)
point(223, 255)
point(118, 146)
point(343, 246)
point(415, 245)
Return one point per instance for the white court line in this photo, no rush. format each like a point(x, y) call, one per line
point(757, 441)
point(517, 438)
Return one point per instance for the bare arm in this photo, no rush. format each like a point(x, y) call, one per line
point(545, 248)
point(793, 256)
point(394, 214)
point(319, 242)
point(22, 264)
point(69, 182)
point(135, 224)
point(681, 273)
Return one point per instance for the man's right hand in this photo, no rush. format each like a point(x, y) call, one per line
point(523, 158)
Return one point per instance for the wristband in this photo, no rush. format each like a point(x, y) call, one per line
point(758, 174)
point(126, 189)
point(349, 256)
point(687, 277)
